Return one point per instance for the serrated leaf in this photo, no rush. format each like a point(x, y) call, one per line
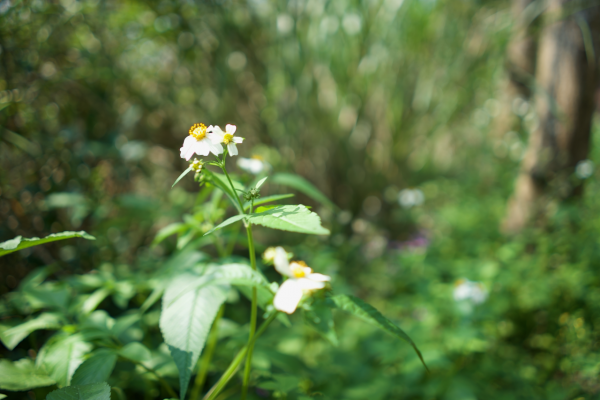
point(302, 185)
point(267, 199)
point(225, 223)
point(97, 368)
point(368, 313)
point(296, 218)
point(19, 243)
point(61, 356)
point(185, 322)
point(93, 391)
point(13, 336)
point(22, 375)
point(184, 173)
point(260, 183)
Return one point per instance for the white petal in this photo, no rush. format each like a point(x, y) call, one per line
point(215, 137)
point(319, 277)
point(202, 148)
point(237, 139)
point(190, 150)
point(281, 262)
point(232, 149)
point(216, 148)
point(230, 129)
point(307, 284)
point(288, 296)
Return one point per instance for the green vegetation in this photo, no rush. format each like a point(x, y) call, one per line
point(377, 125)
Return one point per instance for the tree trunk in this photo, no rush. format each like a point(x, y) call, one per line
point(564, 100)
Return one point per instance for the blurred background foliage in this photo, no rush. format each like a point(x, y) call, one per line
point(388, 106)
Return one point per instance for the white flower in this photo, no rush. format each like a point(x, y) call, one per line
point(465, 289)
point(252, 165)
point(218, 136)
point(410, 197)
point(199, 143)
point(301, 280)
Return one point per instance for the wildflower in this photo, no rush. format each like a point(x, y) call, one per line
point(253, 165)
point(199, 143)
point(465, 289)
point(227, 138)
point(302, 279)
point(197, 165)
point(269, 255)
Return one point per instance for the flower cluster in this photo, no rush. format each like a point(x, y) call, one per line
point(301, 280)
point(203, 140)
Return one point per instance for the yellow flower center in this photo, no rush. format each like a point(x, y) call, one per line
point(198, 131)
point(227, 138)
point(299, 269)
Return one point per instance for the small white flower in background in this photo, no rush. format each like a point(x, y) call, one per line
point(197, 165)
point(301, 280)
point(227, 138)
point(253, 165)
point(199, 143)
point(584, 169)
point(474, 292)
point(410, 197)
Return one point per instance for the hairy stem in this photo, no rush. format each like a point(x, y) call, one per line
point(228, 374)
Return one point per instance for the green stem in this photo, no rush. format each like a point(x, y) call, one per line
point(253, 315)
point(207, 356)
point(228, 374)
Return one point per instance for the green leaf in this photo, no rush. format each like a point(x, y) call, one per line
point(2, 396)
point(61, 356)
point(97, 368)
point(185, 322)
point(19, 243)
point(320, 318)
point(296, 218)
point(135, 351)
point(302, 185)
point(22, 375)
point(167, 231)
point(267, 199)
point(260, 183)
point(184, 173)
point(94, 300)
point(93, 391)
point(368, 313)
point(220, 181)
point(225, 223)
point(13, 336)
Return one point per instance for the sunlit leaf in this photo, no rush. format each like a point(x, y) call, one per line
point(185, 322)
point(267, 199)
point(62, 355)
point(368, 313)
point(260, 183)
point(167, 231)
point(20, 243)
point(13, 336)
point(295, 218)
point(22, 375)
point(184, 173)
